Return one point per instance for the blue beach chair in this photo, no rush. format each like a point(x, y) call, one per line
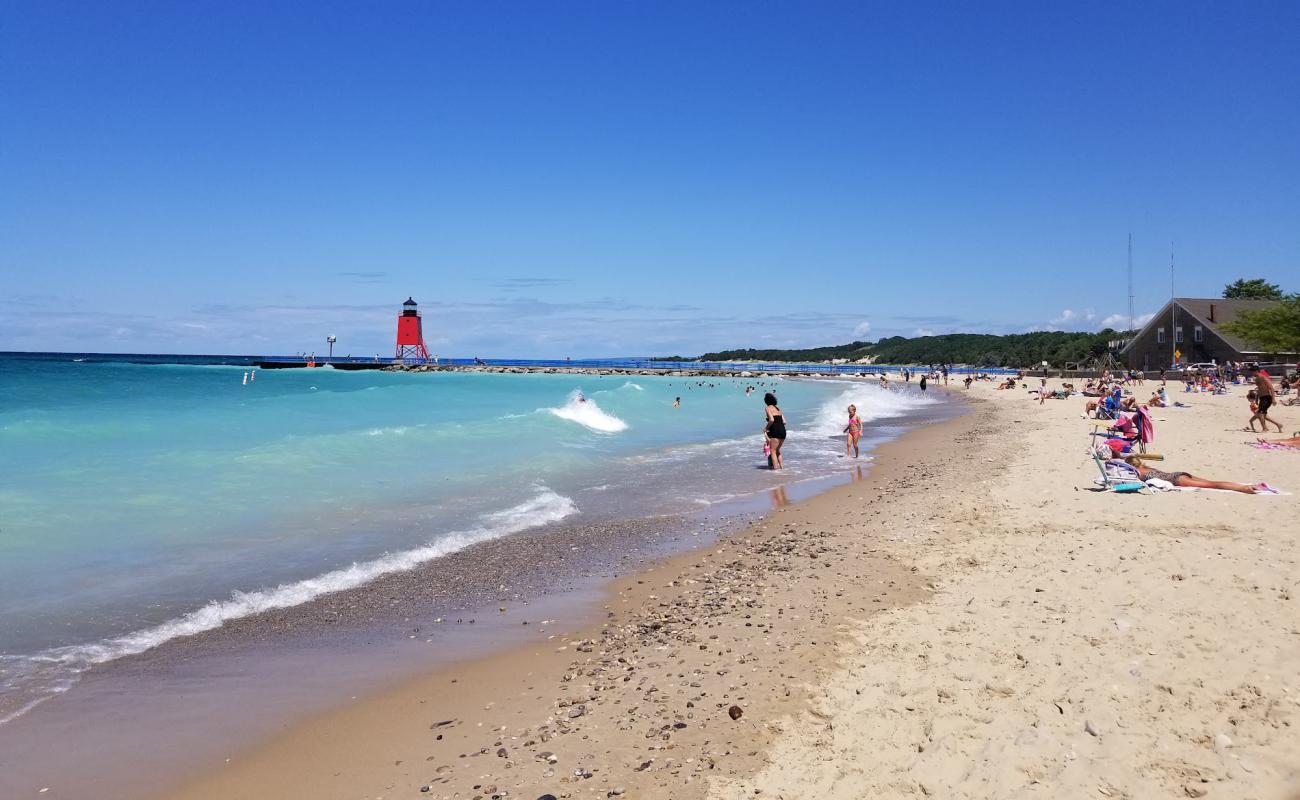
point(1120, 478)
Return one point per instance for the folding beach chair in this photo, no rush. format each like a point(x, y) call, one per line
point(1117, 476)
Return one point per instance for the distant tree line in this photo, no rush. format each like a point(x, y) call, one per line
point(1274, 329)
point(978, 349)
point(851, 351)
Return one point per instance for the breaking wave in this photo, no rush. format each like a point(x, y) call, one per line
point(26, 680)
point(873, 403)
point(586, 413)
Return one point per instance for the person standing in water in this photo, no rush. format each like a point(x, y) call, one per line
point(854, 431)
point(923, 381)
point(774, 430)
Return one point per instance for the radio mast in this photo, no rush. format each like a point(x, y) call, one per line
point(1130, 282)
point(1173, 310)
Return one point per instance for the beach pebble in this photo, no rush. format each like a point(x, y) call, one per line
point(1222, 742)
point(616, 791)
point(1090, 728)
point(735, 712)
point(547, 797)
point(426, 788)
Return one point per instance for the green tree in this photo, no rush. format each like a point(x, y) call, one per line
point(1275, 329)
point(1253, 289)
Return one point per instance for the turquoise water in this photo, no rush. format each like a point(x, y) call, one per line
point(143, 502)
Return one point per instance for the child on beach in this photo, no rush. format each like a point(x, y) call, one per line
point(854, 431)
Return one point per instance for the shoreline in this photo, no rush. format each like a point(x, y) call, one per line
point(973, 620)
point(372, 638)
point(552, 715)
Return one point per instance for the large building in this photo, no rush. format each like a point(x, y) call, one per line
point(1191, 326)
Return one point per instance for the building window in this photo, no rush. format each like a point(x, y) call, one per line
point(1198, 334)
point(1178, 334)
point(1160, 335)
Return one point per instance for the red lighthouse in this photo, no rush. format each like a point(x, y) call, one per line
point(410, 334)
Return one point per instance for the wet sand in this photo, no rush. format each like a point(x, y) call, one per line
point(642, 703)
point(972, 620)
point(193, 701)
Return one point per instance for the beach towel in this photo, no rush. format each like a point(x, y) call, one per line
point(1272, 446)
point(1146, 428)
point(1264, 489)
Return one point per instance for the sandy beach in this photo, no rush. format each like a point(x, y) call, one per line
point(970, 620)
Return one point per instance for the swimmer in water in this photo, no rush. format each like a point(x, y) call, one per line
point(677, 403)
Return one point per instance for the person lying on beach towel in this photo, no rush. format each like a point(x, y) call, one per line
point(1186, 480)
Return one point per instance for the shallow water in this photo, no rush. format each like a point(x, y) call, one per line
point(145, 502)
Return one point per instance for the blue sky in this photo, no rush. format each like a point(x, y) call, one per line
point(612, 178)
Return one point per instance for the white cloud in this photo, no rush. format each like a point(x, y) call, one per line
point(1120, 321)
point(1070, 316)
point(862, 329)
point(923, 332)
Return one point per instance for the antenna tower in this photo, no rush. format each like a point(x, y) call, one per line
point(1130, 282)
point(1173, 309)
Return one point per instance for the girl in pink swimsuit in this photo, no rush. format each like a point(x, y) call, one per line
point(854, 431)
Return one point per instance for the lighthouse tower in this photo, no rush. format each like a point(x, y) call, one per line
point(410, 334)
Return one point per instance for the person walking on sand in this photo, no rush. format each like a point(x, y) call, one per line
point(854, 431)
point(1267, 394)
point(774, 430)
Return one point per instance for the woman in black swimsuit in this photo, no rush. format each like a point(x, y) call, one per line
point(774, 430)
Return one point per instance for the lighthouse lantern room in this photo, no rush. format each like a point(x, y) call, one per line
point(410, 334)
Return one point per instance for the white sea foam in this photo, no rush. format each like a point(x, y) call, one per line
point(586, 413)
point(873, 403)
point(52, 671)
point(631, 385)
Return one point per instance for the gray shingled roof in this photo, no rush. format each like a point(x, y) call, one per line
point(1223, 311)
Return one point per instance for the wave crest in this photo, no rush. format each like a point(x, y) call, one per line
point(52, 671)
point(873, 403)
point(586, 413)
